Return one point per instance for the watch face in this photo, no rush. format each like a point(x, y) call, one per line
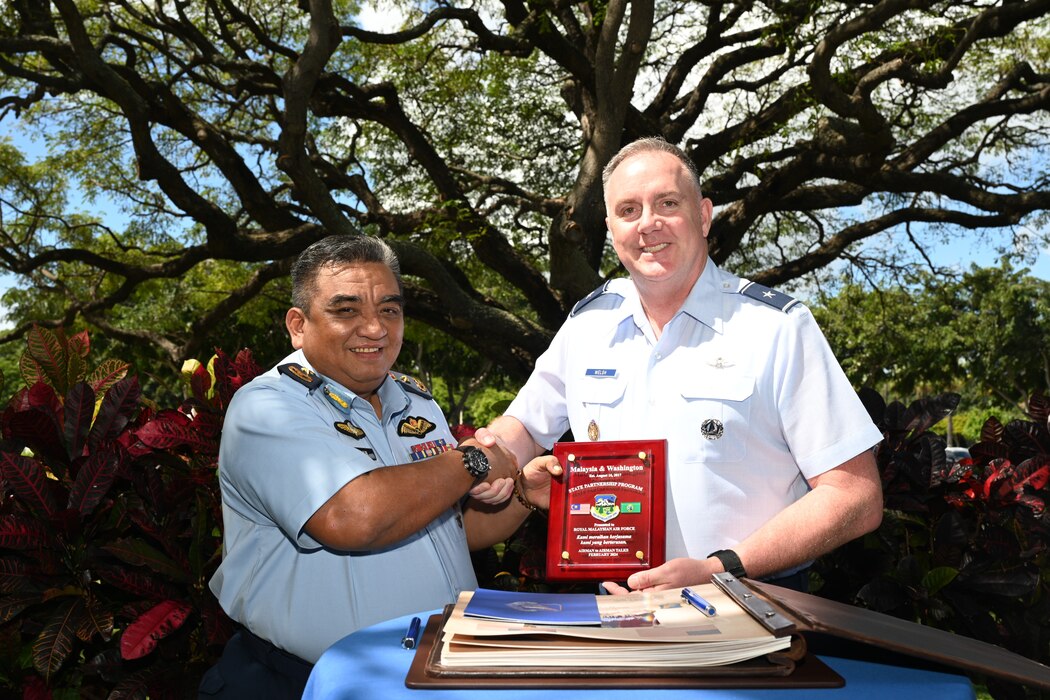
point(475, 462)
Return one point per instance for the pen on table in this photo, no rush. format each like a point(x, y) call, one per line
point(698, 602)
point(409, 640)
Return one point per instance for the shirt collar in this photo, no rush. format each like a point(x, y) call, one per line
point(391, 396)
point(704, 302)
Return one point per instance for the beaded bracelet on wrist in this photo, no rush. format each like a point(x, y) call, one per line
point(519, 493)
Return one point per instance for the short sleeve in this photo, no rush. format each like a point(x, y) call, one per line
point(540, 405)
point(281, 458)
point(824, 421)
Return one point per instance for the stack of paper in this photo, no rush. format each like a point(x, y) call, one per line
point(514, 629)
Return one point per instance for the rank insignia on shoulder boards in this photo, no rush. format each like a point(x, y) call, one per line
point(433, 448)
point(769, 296)
point(578, 307)
point(303, 375)
point(605, 289)
point(411, 383)
point(414, 426)
point(348, 428)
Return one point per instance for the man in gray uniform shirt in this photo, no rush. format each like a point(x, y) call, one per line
point(345, 498)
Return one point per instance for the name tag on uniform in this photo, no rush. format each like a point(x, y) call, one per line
point(600, 373)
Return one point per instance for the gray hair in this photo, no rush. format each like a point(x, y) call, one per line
point(338, 250)
point(651, 144)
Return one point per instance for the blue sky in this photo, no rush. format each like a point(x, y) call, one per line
point(968, 250)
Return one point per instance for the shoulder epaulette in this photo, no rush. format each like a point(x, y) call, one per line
point(769, 296)
point(589, 298)
point(411, 383)
point(303, 375)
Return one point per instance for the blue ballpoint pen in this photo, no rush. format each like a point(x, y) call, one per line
point(698, 602)
point(412, 635)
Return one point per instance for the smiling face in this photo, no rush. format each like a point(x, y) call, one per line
point(659, 223)
point(353, 329)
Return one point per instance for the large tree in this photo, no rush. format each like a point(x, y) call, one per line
point(230, 134)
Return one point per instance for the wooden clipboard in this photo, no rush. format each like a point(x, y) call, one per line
point(784, 611)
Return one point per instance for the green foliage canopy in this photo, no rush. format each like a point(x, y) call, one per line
point(194, 147)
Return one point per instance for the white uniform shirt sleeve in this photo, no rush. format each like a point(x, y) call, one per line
point(823, 420)
point(540, 405)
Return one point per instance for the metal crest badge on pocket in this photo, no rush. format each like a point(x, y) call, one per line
point(712, 429)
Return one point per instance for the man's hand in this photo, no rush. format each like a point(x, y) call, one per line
point(502, 463)
point(677, 573)
point(485, 437)
point(536, 480)
point(503, 468)
point(493, 493)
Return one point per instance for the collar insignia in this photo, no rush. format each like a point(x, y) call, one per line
point(414, 426)
point(333, 396)
point(348, 428)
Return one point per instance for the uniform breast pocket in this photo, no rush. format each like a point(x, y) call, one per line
point(717, 414)
point(594, 406)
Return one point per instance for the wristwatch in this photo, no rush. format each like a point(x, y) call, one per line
point(475, 462)
point(730, 562)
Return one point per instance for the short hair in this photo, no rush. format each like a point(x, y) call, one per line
point(338, 250)
point(650, 144)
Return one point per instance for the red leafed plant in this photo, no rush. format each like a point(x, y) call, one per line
point(142, 635)
point(109, 526)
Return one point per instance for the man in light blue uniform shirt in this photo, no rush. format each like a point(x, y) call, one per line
point(768, 446)
point(344, 494)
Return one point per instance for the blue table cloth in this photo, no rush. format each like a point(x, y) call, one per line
point(371, 663)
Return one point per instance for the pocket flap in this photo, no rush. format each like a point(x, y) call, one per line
point(720, 386)
point(603, 390)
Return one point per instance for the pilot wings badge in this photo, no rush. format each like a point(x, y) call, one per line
point(414, 426)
